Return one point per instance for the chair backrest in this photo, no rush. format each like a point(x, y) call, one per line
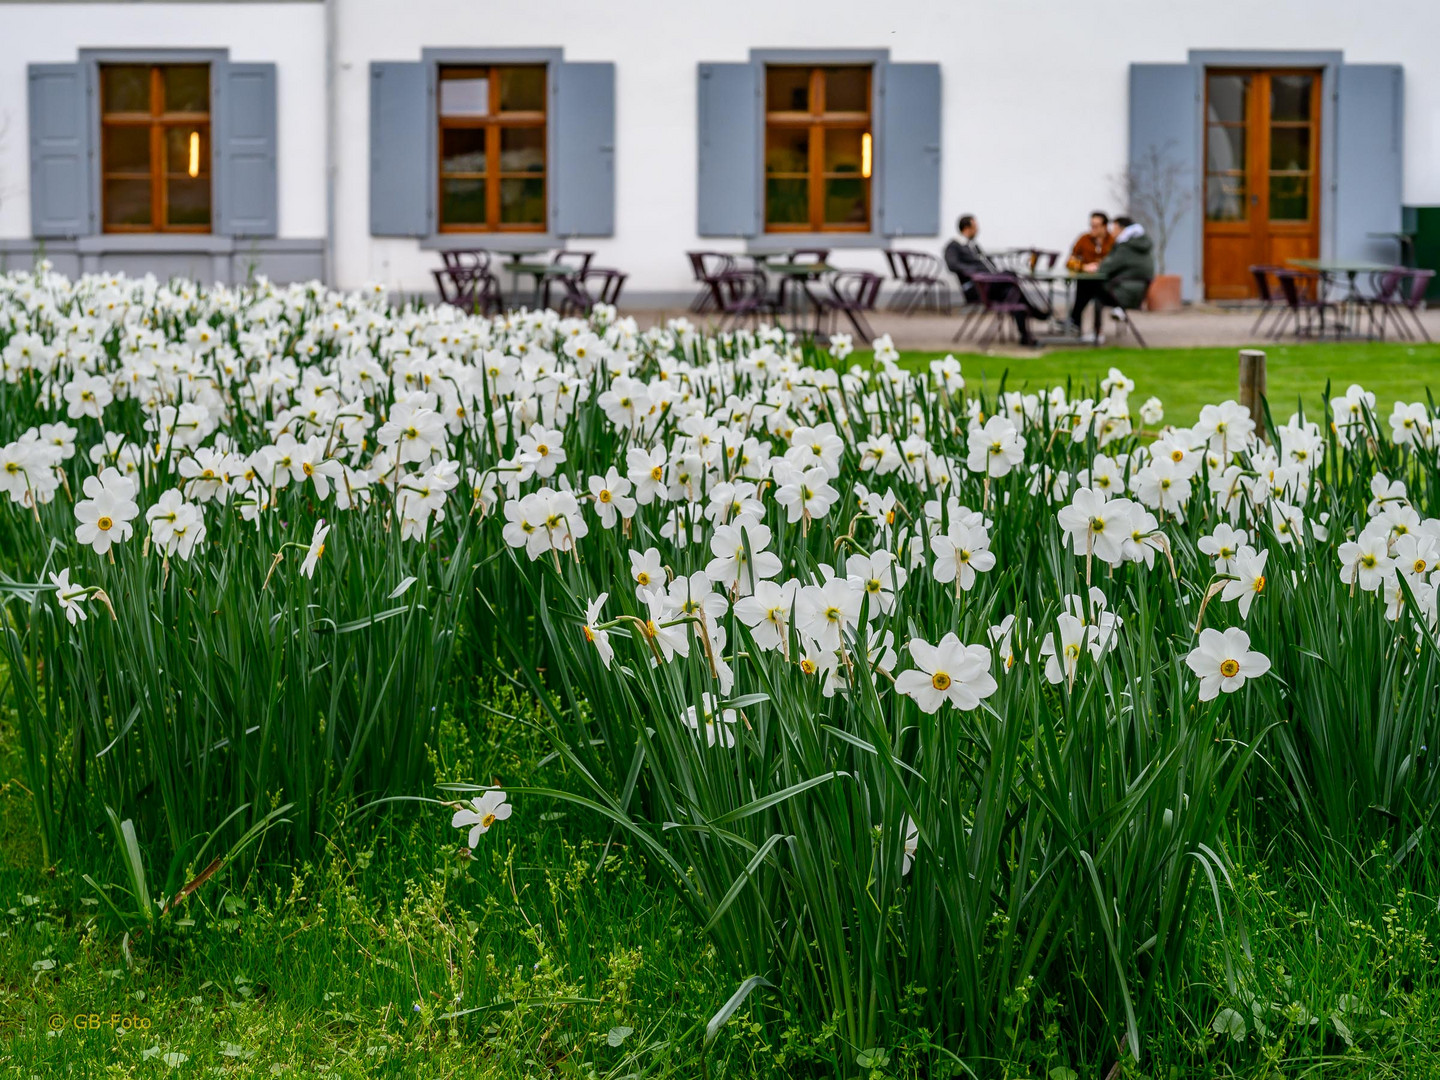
point(1261, 274)
point(856, 290)
point(1385, 285)
point(993, 287)
point(896, 264)
point(466, 259)
point(739, 290)
point(808, 255)
point(579, 261)
point(602, 283)
point(1043, 260)
point(1295, 285)
point(709, 265)
point(1419, 285)
point(468, 288)
point(921, 268)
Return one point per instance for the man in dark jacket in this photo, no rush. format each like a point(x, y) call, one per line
point(1126, 274)
point(965, 259)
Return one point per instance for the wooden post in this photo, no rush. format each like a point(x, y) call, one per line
point(1252, 387)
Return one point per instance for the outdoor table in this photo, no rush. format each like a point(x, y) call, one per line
point(1329, 270)
point(1068, 278)
point(539, 270)
point(795, 279)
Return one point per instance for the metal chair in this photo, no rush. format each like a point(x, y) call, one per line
point(1001, 302)
point(580, 296)
point(471, 289)
point(707, 266)
point(922, 278)
point(1123, 320)
point(743, 295)
point(1413, 294)
point(466, 259)
point(577, 262)
point(853, 293)
point(1269, 302)
point(1304, 302)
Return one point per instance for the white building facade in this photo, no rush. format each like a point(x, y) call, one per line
point(355, 140)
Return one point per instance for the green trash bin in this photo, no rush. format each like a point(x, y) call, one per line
point(1423, 223)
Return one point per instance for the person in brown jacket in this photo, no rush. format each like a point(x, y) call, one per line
point(1092, 246)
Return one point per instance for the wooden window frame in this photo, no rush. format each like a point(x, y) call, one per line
point(1259, 119)
point(493, 123)
point(817, 121)
point(159, 122)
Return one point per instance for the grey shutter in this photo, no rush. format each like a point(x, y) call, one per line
point(1368, 144)
point(246, 202)
point(583, 178)
point(400, 145)
point(1165, 130)
point(909, 150)
point(728, 191)
point(62, 198)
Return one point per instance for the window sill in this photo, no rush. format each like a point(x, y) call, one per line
point(145, 243)
point(777, 243)
point(492, 241)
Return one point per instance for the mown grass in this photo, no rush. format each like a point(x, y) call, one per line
point(1186, 379)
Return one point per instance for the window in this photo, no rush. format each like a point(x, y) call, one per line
point(818, 149)
point(155, 147)
point(492, 149)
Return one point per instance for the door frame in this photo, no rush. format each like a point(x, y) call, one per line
point(1328, 64)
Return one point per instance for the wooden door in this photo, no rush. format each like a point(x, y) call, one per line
point(1262, 174)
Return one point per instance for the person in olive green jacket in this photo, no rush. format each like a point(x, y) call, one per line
point(1127, 272)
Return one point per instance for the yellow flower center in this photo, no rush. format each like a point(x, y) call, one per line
point(1419, 566)
point(1230, 668)
point(488, 820)
point(642, 578)
point(104, 524)
point(808, 666)
point(1177, 455)
point(604, 496)
point(1368, 561)
point(308, 469)
point(657, 472)
point(1072, 652)
point(940, 681)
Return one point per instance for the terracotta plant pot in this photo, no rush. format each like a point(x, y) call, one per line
point(1164, 293)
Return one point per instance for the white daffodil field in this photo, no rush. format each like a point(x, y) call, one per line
point(928, 702)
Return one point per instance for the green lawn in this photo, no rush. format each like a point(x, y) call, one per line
point(1186, 379)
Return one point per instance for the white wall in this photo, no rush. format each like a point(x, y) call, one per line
point(289, 35)
point(1035, 94)
point(1035, 109)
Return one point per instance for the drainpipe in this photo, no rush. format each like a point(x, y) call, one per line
point(331, 46)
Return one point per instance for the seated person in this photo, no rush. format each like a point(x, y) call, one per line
point(965, 258)
point(1126, 271)
point(1092, 246)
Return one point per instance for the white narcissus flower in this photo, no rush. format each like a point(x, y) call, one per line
point(599, 638)
point(767, 612)
point(482, 813)
point(826, 613)
point(68, 596)
point(912, 845)
point(1223, 545)
point(1224, 660)
point(647, 572)
point(1096, 524)
point(995, 448)
point(316, 548)
point(718, 724)
point(1248, 568)
point(670, 639)
point(740, 557)
point(948, 671)
point(611, 493)
point(959, 554)
point(880, 577)
point(1062, 655)
point(107, 510)
point(1365, 560)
